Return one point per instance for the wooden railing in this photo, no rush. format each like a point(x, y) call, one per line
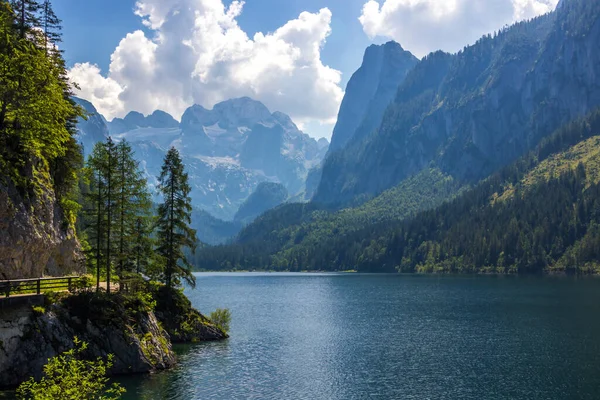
point(38, 285)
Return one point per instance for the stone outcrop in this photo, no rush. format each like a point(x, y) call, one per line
point(184, 323)
point(36, 239)
point(29, 337)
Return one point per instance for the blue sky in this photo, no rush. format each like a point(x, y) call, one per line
point(177, 52)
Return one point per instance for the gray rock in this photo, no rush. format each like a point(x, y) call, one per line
point(36, 239)
point(28, 340)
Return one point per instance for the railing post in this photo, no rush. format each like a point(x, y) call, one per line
point(7, 288)
point(39, 286)
point(70, 284)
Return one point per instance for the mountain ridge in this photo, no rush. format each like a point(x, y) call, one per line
point(229, 149)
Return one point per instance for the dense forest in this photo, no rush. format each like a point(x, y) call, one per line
point(38, 148)
point(538, 214)
point(105, 199)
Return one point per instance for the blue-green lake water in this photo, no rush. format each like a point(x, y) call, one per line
point(350, 336)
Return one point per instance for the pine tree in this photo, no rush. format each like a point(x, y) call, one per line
point(103, 175)
point(132, 203)
point(37, 114)
point(51, 25)
point(142, 245)
point(27, 15)
point(174, 217)
point(95, 210)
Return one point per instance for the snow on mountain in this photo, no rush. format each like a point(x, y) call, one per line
point(228, 151)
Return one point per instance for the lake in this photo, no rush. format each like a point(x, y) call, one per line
point(351, 336)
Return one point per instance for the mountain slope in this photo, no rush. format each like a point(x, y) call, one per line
point(473, 112)
point(228, 150)
point(267, 195)
point(91, 129)
point(541, 213)
point(370, 90)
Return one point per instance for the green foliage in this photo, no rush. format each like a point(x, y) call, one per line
point(538, 214)
point(38, 150)
point(176, 314)
point(38, 310)
point(295, 236)
point(174, 217)
point(117, 213)
point(222, 318)
point(70, 377)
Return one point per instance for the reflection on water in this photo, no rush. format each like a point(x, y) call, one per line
point(311, 336)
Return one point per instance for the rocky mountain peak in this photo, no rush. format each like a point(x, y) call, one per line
point(135, 120)
point(370, 90)
point(242, 111)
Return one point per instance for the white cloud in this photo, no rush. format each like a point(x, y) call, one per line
point(422, 26)
point(199, 54)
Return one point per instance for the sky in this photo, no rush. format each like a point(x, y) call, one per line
point(296, 56)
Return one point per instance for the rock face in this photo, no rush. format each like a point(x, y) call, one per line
point(36, 240)
point(28, 339)
point(268, 195)
point(475, 111)
point(136, 120)
point(90, 130)
point(370, 90)
point(228, 151)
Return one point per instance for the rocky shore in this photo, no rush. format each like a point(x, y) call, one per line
point(123, 325)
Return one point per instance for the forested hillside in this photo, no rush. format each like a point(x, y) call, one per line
point(473, 112)
point(539, 214)
point(456, 119)
point(39, 156)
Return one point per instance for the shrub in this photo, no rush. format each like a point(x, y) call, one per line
point(69, 377)
point(221, 318)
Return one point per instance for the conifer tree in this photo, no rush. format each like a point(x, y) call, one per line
point(132, 203)
point(51, 25)
point(95, 209)
point(27, 15)
point(174, 217)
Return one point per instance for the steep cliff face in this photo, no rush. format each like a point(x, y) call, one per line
point(92, 129)
point(475, 111)
point(36, 239)
point(370, 90)
point(29, 338)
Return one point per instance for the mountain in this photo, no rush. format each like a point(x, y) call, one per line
point(455, 120)
point(539, 214)
point(473, 112)
point(370, 90)
point(267, 195)
point(91, 129)
point(228, 151)
point(213, 231)
point(135, 120)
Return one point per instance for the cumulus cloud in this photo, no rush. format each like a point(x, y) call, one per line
point(197, 53)
point(422, 26)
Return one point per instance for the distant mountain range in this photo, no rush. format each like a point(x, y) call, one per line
point(228, 151)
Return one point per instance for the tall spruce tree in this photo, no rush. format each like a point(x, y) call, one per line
point(27, 12)
point(37, 114)
point(101, 206)
point(51, 26)
point(174, 217)
point(119, 211)
point(133, 203)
